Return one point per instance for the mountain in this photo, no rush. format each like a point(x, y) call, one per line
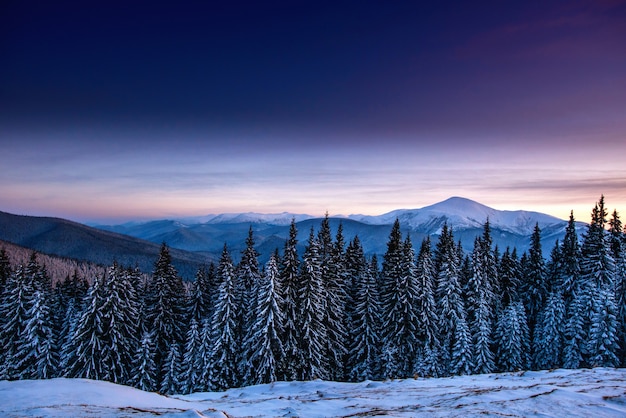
point(466, 217)
point(69, 239)
point(58, 268)
point(461, 213)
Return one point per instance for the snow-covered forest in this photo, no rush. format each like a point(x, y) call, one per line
point(329, 313)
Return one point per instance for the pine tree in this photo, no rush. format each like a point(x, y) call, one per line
point(266, 350)
point(598, 277)
point(224, 354)
point(312, 312)
point(509, 273)
point(427, 363)
point(201, 297)
point(143, 375)
point(165, 303)
point(334, 277)
point(37, 354)
point(392, 293)
point(248, 277)
point(85, 360)
point(190, 371)
point(549, 333)
point(575, 296)
point(290, 300)
point(481, 301)
point(602, 345)
point(456, 347)
point(618, 249)
point(203, 360)
point(512, 338)
point(534, 284)
point(570, 262)
point(170, 372)
point(364, 353)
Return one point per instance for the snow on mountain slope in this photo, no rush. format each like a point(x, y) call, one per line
point(462, 213)
point(283, 218)
point(597, 393)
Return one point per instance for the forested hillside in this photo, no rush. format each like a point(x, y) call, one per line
point(329, 313)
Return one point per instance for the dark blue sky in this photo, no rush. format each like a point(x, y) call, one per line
point(346, 106)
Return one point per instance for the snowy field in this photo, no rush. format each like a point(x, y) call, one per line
point(561, 393)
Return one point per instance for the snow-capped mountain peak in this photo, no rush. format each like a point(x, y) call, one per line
point(462, 213)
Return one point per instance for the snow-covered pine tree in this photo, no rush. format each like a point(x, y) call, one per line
point(481, 301)
point(570, 261)
point(598, 277)
point(392, 293)
point(170, 372)
point(334, 279)
point(15, 308)
point(289, 268)
point(225, 350)
point(165, 304)
point(534, 288)
point(575, 296)
point(84, 360)
point(427, 363)
point(143, 372)
point(201, 298)
point(509, 273)
point(618, 248)
point(456, 345)
point(364, 353)
point(549, 333)
point(248, 277)
point(190, 372)
point(602, 345)
point(266, 350)
point(512, 338)
point(37, 353)
point(203, 361)
point(312, 312)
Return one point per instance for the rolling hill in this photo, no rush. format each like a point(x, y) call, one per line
point(69, 239)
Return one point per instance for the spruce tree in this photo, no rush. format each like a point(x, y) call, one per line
point(189, 366)
point(512, 338)
point(534, 283)
point(165, 305)
point(456, 346)
point(598, 277)
point(313, 299)
point(481, 301)
point(248, 277)
point(392, 292)
point(225, 350)
point(334, 277)
point(143, 375)
point(364, 352)
point(266, 350)
point(290, 299)
point(427, 363)
point(37, 353)
point(170, 371)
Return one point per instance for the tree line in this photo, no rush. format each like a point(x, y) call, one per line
point(331, 313)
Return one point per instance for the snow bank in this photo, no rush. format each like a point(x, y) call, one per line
point(573, 393)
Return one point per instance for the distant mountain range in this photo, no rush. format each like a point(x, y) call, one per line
point(466, 217)
point(197, 241)
point(69, 239)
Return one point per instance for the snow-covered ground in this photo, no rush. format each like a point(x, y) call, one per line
point(561, 393)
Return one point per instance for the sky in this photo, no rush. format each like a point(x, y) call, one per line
point(116, 111)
